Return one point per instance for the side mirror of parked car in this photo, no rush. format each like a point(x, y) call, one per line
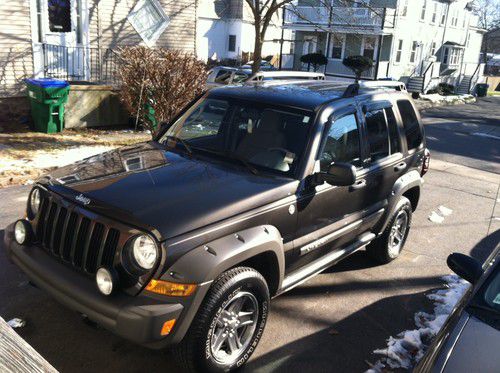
point(338, 174)
point(466, 267)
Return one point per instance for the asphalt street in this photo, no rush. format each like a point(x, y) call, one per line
point(333, 322)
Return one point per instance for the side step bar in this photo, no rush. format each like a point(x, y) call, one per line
point(298, 277)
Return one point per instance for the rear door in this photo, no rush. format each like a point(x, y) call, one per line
point(385, 161)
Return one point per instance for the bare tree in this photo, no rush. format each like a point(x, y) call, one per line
point(488, 12)
point(262, 12)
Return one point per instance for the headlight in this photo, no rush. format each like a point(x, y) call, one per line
point(144, 251)
point(35, 201)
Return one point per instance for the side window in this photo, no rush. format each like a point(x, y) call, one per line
point(393, 131)
point(378, 135)
point(412, 128)
point(342, 143)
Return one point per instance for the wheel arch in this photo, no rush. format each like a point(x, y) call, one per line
point(259, 247)
point(409, 186)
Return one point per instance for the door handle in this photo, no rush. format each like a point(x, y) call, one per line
point(359, 184)
point(400, 167)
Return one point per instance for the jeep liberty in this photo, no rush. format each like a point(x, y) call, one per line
point(248, 192)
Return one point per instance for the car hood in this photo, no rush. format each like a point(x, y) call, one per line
point(476, 350)
point(166, 192)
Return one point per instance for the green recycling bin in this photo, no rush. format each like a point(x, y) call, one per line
point(482, 90)
point(47, 98)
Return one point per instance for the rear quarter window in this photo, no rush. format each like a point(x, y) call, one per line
point(413, 132)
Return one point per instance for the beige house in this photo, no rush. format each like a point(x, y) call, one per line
point(77, 39)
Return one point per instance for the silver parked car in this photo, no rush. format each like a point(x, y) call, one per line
point(223, 75)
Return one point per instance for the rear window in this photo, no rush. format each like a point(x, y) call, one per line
point(412, 128)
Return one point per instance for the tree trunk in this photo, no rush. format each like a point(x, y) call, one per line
point(257, 51)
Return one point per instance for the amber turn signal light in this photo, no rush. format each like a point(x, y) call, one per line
point(172, 289)
point(167, 327)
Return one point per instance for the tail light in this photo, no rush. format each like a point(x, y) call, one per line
point(426, 162)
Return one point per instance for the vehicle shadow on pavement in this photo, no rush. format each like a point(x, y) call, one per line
point(485, 247)
point(347, 345)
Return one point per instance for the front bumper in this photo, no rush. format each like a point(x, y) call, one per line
point(136, 318)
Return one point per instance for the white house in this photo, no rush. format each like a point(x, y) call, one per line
point(225, 30)
point(422, 42)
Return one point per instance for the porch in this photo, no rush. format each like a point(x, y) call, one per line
point(336, 46)
point(353, 19)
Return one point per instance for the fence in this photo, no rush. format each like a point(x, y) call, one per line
point(82, 64)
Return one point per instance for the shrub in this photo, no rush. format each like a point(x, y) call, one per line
point(314, 59)
point(165, 79)
point(358, 64)
point(445, 89)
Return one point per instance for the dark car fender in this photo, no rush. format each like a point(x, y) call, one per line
point(405, 185)
point(206, 262)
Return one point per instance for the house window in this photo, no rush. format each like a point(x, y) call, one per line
point(446, 55)
point(413, 53)
point(433, 48)
point(59, 15)
point(232, 43)
point(337, 46)
point(468, 40)
point(149, 20)
point(404, 9)
point(39, 20)
point(369, 46)
point(422, 13)
point(434, 13)
point(443, 14)
point(399, 52)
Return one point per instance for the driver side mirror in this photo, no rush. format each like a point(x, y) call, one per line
point(466, 267)
point(338, 174)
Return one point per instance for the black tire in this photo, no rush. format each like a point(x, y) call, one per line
point(195, 353)
point(380, 248)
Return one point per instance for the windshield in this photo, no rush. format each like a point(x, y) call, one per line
point(268, 138)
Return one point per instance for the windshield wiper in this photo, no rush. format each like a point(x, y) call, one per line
point(182, 141)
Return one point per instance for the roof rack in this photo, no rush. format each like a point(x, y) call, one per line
point(351, 91)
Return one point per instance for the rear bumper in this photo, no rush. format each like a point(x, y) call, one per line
point(136, 318)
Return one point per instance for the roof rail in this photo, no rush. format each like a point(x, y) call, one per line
point(351, 91)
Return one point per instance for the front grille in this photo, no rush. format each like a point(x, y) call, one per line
point(75, 238)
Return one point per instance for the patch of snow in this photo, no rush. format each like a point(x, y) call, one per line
point(61, 158)
point(408, 347)
point(16, 323)
point(445, 211)
point(436, 218)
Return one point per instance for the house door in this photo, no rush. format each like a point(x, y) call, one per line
point(310, 46)
point(60, 30)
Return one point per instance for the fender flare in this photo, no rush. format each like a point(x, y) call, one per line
point(404, 183)
point(204, 263)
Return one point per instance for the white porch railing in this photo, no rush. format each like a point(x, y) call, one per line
point(336, 67)
point(343, 16)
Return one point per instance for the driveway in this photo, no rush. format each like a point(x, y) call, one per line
point(334, 321)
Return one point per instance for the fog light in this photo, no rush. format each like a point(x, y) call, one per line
point(106, 280)
point(22, 231)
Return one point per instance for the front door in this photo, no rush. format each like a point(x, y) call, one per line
point(331, 216)
point(60, 35)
